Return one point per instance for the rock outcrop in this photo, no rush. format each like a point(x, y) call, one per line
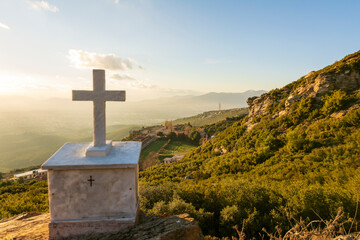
point(34, 226)
point(344, 75)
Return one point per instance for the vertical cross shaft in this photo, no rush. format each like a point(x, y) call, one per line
point(99, 135)
point(99, 96)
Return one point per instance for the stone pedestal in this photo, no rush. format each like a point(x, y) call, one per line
point(92, 194)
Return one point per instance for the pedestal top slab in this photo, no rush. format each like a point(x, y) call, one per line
point(72, 156)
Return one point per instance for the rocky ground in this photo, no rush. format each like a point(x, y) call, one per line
point(34, 226)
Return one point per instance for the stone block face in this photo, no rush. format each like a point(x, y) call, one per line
point(92, 194)
point(112, 194)
point(58, 230)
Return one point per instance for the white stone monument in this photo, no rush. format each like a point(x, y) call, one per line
point(93, 187)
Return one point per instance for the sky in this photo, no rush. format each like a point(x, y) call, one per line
point(164, 48)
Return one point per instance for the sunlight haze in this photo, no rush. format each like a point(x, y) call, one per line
point(164, 48)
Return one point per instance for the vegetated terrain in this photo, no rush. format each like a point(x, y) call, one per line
point(211, 117)
point(177, 148)
point(153, 147)
point(18, 197)
point(295, 156)
point(163, 148)
point(171, 148)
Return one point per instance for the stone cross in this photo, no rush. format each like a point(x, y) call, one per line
point(99, 96)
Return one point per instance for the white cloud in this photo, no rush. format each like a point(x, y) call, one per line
point(83, 59)
point(4, 26)
point(142, 84)
point(122, 77)
point(42, 5)
point(116, 1)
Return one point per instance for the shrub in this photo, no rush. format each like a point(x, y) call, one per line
point(334, 102)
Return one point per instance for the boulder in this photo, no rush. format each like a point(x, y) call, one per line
point(34, 226)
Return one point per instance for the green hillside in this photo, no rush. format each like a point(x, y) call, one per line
point(295, 156)
point(211, 117)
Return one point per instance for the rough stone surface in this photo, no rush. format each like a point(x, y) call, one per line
point(92, 194)
point(112, 195)
point(93, 151)
point(313, 85)
point(180, 227)
point(59, 230)
point(26, 226)
point(72, 156)
point(34, 226)
point(259, 105)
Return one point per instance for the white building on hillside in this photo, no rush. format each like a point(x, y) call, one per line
point(37, 173)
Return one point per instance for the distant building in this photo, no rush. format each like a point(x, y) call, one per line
point(174, 158)
point(33, 174)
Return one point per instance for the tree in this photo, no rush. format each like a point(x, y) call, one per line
point(195, 137)
point(171, 136)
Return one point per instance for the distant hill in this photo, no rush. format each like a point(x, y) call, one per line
point(32, 130)
point(211, 117)
point(206, 102)
point(229, 99)
point(295, 156)
point(66, 113)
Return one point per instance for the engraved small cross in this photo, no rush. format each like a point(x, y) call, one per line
point(91, 180)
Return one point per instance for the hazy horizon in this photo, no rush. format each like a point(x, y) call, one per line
point(156, 49)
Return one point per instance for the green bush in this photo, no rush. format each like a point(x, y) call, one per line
point(334, 102)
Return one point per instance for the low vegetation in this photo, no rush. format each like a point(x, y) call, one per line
point(304, 164)
point(298, 172)
point(212, 117)
point(18, 197)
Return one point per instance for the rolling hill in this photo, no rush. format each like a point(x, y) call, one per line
point(211, 117)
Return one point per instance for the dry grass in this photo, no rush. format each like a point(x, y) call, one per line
point(318, 230)
point(315, 230)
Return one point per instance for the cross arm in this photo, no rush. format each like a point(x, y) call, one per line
point(81, 95)
point(115, 96)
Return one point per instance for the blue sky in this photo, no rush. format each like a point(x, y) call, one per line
point(163, 48)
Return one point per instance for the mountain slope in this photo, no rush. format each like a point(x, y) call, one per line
point(212, 117)
point(297, 154)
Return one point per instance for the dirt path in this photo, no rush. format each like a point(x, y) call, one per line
point(27, 226)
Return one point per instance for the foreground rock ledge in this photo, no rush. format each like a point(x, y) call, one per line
point(35, 226)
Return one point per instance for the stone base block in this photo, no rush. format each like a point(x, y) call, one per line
point(93, 151)
point(62, 229)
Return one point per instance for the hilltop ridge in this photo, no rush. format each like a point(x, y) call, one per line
point(342, 75)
